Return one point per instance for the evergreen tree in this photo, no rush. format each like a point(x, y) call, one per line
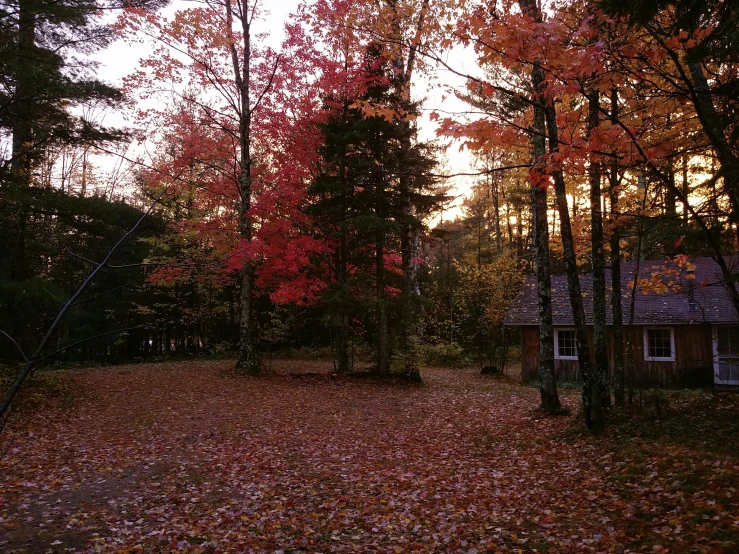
point(358, 202)
point(45, 72)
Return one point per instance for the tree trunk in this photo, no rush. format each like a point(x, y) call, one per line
point(496, 211)
point(343, 360)
point(619, 375)
point(402, 74)
point(22, 116)
point(547, 376)
point(591, 396)
point(601, 374)
point(383, 354)
point(686, 189)
point(247, 332)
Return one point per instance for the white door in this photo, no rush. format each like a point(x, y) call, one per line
point(726, 355)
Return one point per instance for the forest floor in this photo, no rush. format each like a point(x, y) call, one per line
point(187, 457)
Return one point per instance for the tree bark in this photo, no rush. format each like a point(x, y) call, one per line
point(540, 229)
point(591, 395)
point(619, 375)
point(601, 374)
point(247, 340)
point(343, 360)
point(22, 116)
point(495, 189)
point(402, 74)
point(383, 351)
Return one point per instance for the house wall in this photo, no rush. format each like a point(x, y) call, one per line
point(693, 365)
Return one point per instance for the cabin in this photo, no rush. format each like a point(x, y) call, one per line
point(680, 329)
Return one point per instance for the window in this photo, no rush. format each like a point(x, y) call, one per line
point(565, 344)
point(659, 345)
point(726, 352)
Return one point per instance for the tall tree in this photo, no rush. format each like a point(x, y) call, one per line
point(403, 69)
point(39, 81)
point(539, 185)
point(619, 374)
point(600, 338)
point(255, 106)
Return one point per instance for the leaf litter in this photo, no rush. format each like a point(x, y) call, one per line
point(186, 457)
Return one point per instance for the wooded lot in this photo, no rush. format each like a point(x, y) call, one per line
point(544, 191)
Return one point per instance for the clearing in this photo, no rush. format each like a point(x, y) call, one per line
point(186, 457)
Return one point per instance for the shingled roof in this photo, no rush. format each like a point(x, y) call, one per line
point(710, 301)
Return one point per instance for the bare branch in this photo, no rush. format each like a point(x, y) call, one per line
point(18, 346)
point(34, 359)
point(268, 85)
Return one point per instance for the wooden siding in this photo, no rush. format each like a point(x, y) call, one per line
point(693, 365)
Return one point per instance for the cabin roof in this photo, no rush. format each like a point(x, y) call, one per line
point(703, 299)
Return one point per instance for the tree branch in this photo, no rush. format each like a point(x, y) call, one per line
point(34, 359)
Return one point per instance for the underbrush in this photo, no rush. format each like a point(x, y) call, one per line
point(41, 388)
point(566, 385)
point(694, 418)
point(444, 354)
point(360, 352)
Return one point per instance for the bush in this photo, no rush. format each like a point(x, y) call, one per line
point(307, 353)
point(448, 354)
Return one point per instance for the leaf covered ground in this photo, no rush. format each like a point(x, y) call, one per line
point(186, 457)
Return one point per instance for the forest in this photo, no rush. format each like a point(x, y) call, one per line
point(291, 215)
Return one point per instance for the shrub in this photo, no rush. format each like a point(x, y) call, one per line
point(448, 354)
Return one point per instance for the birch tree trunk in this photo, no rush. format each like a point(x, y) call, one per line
point(402, 75)
point(540, 229)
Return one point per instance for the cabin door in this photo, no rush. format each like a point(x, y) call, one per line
point(726, 355)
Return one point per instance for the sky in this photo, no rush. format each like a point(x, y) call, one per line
point(121, 59)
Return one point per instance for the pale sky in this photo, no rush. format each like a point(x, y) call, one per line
point(121, 59)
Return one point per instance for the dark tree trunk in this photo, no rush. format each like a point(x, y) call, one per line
point(383, 354)
point(599, 265)
point(509, 225)
point(519, 231)
point(670, 193)
point(22, 116)
point(686, 189)
point(343, 360)
point(591, 394)
point(495, 190)
point(247, 332)
point(618, 339)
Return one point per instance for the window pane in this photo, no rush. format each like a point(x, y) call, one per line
point(728, 371)
point(566, 344)
point(724, 371)
point(728, 341)
point(659, 344)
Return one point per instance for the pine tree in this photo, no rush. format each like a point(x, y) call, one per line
point(359, 199)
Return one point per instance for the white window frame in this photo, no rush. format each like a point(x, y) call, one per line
point(556, 344)
point(649, 358)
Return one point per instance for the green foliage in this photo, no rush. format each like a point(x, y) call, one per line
point(308, 353)
point(367, 157)
point(444, 354)
point(467, 302)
